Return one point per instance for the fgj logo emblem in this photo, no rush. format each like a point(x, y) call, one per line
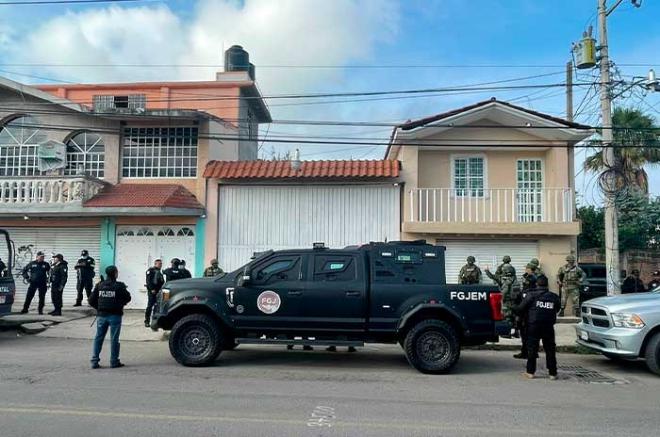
point(269, 302)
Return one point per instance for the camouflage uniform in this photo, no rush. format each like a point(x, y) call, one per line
point(569, 278)
point(470, 273)
point(213, 270)
point(505, 277)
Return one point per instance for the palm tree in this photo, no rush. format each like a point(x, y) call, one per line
point(639, 136)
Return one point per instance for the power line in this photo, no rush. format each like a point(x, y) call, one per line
point(65, 2)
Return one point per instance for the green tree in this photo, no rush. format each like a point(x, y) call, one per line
point(636, 144)
point(593, 227)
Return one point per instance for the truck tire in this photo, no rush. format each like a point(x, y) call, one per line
point(432, 346)
point(195, 340)
point(652, 354)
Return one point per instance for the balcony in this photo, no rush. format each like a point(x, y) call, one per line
point(546, 211)
point(46, 194)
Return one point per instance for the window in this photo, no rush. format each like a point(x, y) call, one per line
point(469, 176)
point(334, 268)
point(166, 232)
point(85, 154)
point(19, 140)
point(159, 152)
point(278, 269)
point(108, 102)
point(530, 190)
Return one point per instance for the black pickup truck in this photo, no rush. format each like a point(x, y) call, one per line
point(375, 293)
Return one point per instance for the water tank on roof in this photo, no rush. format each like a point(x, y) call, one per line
point(236, 59)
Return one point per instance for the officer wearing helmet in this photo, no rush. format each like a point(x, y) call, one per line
point(173, 272)
point(538, 271)
point(213, 270)
point(85, 274)
point(470, 273)
point(505, 277)
point(569, 279)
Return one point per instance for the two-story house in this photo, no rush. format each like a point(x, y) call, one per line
point(117, 169)
point(490, 179)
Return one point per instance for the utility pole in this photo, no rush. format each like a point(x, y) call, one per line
point(569, 91)
point(609, 158)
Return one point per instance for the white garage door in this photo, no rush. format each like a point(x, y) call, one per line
point(487, 253)
point(67, 241)
point(257, 218)
point(138, 247)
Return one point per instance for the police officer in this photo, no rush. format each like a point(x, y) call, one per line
point(632, 284)
point(185, 273)
point(36, 274)
point(85, 273)
point(541, 307)
point(655, 281)
point(154, 283)
point(58, 277)
point(109, 298)
point(173, 272)
point(213, 270)
point(569, 279)
point(470, 273)
point(528, 284)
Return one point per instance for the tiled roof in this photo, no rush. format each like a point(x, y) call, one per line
point(424, 121)
point(144, 196)
point(308, 169)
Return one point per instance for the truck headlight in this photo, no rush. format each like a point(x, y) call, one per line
point(625, 320)
point(165, 292)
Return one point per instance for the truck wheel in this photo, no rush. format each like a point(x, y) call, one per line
point(652, 354)
point(195, 340)
point(432, 346)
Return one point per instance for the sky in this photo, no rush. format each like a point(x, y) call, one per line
point(318, 46)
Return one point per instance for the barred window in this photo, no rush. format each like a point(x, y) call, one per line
point(85, 154)
point(159, 152)
point(469, 176)
point(19, 141)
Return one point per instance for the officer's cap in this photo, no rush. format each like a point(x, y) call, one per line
point(59, 256)
point(84, 252)
point(40, 253)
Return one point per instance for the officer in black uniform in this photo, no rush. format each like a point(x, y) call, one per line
point(109, 298)
point(58, 277)
point(36, 273)
point(541, 306)
point(3, 269)
point(85, 268)
point(185, 273)
point(529, 284)
point(154, 282)
point(173, 272)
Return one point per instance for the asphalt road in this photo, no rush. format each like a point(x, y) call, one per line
point(48, 389)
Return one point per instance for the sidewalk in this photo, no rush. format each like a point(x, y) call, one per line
point(33, 323)
point(132, 328)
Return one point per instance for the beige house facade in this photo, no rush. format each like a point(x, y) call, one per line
point(488, 180)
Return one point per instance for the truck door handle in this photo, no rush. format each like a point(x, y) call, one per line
point(353, 294)
point(294, 293)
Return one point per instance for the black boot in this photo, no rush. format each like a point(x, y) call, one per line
point(24, 311)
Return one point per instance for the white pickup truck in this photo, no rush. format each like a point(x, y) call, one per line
point(623, 327)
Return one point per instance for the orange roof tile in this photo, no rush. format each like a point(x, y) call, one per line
point(145, 196)
point(308, 169)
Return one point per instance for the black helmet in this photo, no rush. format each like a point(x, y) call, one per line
point(470, 259)
point(59, 256)
point(175, 262)
point(40, 253)
point(506, 259)
point(84, 252)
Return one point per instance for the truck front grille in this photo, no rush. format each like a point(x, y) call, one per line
point(598, 312)
point(595, 316)
point(602, 323)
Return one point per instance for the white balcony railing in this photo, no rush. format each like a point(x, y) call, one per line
point(495, 205)
point(47, 190)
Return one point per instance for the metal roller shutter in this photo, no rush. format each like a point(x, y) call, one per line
point(67, 241)
point(256, 218)
point(487, 253)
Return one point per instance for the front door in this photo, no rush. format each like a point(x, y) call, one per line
point(271, 299)
point(335, 297)
point(530, 190)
